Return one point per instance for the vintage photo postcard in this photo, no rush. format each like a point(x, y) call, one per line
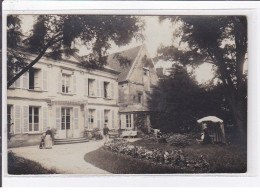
point(103, 94)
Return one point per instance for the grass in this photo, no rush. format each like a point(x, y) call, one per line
point(18, 166)
point(222, 159)
point(122, 164)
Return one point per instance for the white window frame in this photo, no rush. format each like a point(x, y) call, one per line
point(33, 123)
point(108, 113)
point(66, 78)
point(91, 115)
point(128, 121)
point(36, 78)
point(65, 120)
point(91, 83)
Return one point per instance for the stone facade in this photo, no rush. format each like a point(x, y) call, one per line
point(63, 96)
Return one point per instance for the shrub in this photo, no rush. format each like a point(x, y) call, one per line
point(178, 140)
point(140, 122)
point(93, 134)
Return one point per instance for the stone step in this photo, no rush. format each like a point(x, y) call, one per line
point(70, 141)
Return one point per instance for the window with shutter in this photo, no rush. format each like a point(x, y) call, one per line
point(17, 119)
point(44, 119)
point(86, 119)
point(86, 86)
point(112, 90)
point(106, 92)
point(25, 119)
point(132, 121)
point(102, 118)
point(91, 118)
point(10, 119)
point(34, 119)
point(101, 89)
point(74, 85)
point(58, 118)
point(25, 80)
point(92, 87)
point(98, 88)
point(18, 82)
point(128, 120)
point(98, 119)
point(76, 118)
point(123, 120)
point(113, 119)
point(44, 80)
point(66, 81)
point(59, 83)
point(107, 120)
point(34, 82)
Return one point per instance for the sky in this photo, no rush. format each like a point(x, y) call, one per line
point(155, 34)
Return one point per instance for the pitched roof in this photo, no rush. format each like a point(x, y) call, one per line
point(123, 61)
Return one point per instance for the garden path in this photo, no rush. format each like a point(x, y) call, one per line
point(65, 159)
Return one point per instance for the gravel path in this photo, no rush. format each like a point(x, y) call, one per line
point(65, 159)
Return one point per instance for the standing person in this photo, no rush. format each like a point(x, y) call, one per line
point(105, 133)
point(206, 139)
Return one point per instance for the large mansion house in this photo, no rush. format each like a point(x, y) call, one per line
point(64, 96)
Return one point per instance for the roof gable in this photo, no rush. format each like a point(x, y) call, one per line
point(123, 61)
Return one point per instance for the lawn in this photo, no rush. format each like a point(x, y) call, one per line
point(18, 166)
point(221, 159)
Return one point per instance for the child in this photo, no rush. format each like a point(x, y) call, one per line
point(42, 144)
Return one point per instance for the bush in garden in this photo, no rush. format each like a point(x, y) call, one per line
point(179, 140)
point(93, 134)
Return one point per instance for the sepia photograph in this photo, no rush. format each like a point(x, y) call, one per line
point(126, 94)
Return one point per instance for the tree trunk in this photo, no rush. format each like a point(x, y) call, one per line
point(239, 116)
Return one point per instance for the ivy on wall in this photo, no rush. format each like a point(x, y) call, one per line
point(140, 122)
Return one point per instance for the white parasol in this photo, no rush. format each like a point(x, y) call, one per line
point(210, 118)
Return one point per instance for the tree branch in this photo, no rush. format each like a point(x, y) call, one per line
point(50, 43)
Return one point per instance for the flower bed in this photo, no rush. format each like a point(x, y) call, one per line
point(175, 158)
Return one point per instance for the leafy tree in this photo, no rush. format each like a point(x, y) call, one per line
point(222, 41)
point(178, 101)
point(15, 60)
point(57, 35)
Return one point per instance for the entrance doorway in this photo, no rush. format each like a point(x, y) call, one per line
point(66, 126)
